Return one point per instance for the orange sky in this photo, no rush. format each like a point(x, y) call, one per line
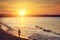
point(32, 7)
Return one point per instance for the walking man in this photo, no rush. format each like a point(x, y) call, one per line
point(19, 32)
point(0, 25)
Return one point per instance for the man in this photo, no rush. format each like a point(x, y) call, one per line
point(19, 32)
point(0, 25)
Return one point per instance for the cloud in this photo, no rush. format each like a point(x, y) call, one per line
point(48, 1)
point(36, 1)
point(35, 6)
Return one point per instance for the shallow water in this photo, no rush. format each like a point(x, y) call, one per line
point(27, 24)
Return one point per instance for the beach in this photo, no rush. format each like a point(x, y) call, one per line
point(27, 25)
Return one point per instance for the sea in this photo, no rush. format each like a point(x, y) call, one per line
point(31, 25)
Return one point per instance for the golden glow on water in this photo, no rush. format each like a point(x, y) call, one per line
point(27, 25)
point(22, 27)
point(22, 21)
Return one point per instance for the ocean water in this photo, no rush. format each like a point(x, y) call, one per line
point(27, 25)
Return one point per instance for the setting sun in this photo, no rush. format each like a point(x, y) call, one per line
point(22, 12)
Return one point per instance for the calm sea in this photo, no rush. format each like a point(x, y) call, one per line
point(27, 25)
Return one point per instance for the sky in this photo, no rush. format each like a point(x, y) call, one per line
point(32, 7)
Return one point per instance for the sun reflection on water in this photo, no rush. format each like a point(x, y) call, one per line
point(22, 21)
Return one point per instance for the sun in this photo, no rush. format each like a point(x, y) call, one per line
point(22, 12)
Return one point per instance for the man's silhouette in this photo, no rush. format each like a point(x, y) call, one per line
point(19, 32)
point(0, 26)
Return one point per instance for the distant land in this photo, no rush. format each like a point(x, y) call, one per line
point(46, 15)
point(11, 15)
